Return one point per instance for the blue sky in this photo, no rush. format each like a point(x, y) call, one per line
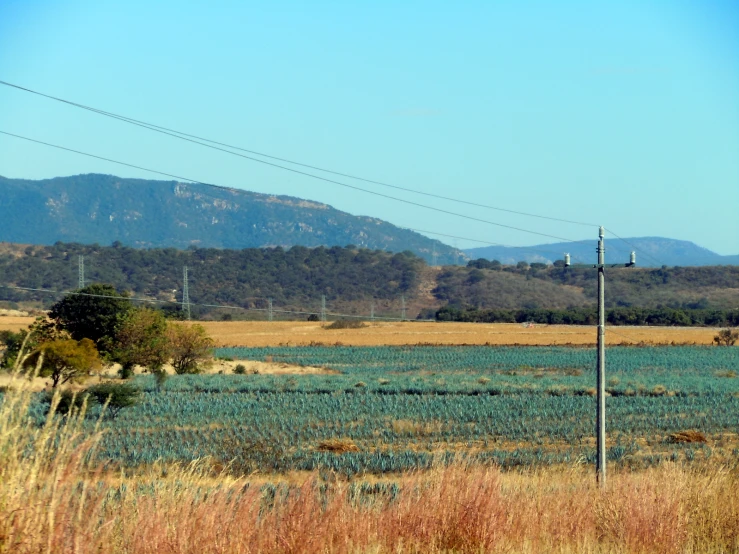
point(624, 114)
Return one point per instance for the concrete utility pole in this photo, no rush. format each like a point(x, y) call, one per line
point(402, 313)
point(600, 416)
point(185, 294)
point(372, 312)
point(269, 309)
point(323, 308)
point(80, 272)
point(600, 470)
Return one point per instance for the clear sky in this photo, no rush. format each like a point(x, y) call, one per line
point(624, 114)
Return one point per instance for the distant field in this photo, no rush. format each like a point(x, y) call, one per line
point(301, 333)
point(15, 323)
point(298, 333)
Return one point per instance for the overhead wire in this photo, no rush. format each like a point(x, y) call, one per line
point(187, 136)
point(439, 210)
point(526, 248)
point(224, 306)
point(642, 252)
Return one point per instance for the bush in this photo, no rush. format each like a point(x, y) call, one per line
point(346, 324)
point(240, 369)
point(726, 337)
point(69, 400)
point(122, 395)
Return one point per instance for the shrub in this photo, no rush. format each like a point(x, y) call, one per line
point(69, 400)
point(240, 369)
point(726, 337)
point(121, 395)
point(346, 324)
point(190, 347)
point(160, 376)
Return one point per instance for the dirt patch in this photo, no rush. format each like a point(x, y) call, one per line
point(268, 368)
point(687, 436)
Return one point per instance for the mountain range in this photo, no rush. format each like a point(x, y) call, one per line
point(141, 213)
point(650, 252)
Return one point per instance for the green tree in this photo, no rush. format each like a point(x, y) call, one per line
point(141, 339)
point(117, 395)
point(94, 313)
point(22, 345)
point(66, 360)
point(190, 347)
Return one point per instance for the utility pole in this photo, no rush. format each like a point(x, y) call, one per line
point(80, 272)
point(185, 295)
point(372, 312)
point(600, 470)
point(600, 416)
point(402, 313)
point(323, 307)
point(269, 309)
point(434, 257)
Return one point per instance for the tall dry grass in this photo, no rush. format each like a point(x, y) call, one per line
point(53, 500)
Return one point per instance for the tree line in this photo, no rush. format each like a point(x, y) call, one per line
point(296, 277)
point(589, 316)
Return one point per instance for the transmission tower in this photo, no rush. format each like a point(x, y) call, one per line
point(433, 257)
point(185, 294)
point(323, 308)
point(81, 272)
point(269, 309)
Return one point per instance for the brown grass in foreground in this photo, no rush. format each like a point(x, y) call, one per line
point(52, 500)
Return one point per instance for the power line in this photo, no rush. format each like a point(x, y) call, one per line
point(528, 249)
point(187, 137)
point(183, 136)
point(635, 248)
point(224, 306)
point(440, 210)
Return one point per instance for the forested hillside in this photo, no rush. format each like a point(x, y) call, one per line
point(351, 279)
point(146, 213)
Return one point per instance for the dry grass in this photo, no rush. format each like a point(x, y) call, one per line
point(52, 500)
point(690, 435)
point(300, 333)
point(337, 446)
point(296, 333)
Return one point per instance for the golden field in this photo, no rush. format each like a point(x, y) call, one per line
point(299, 333)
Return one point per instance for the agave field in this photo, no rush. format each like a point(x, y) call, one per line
point(388, 409)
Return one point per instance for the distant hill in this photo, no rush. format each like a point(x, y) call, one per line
point(103, 209)
point(650, 252)
point(351, 280)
